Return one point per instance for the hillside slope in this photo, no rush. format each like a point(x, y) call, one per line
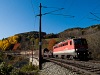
point(79, 31)
point(30, 40)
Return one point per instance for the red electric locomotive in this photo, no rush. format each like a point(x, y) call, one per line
point(75, 48)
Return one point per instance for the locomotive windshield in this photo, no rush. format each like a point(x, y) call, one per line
point(80, 42)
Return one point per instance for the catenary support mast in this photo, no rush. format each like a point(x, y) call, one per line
point(40, 43)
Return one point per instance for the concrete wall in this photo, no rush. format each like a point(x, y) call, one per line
point(34, 61)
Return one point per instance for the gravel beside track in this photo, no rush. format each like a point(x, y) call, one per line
point(50, 68)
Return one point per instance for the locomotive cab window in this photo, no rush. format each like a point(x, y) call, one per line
point(66, 43)
point(70, 42)
point(80, 42)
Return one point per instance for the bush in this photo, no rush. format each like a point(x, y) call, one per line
point(15, 71)
point(94, 44)
point(30, 67)
point(4, 69)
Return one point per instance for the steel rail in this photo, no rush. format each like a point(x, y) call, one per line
point(76, 69)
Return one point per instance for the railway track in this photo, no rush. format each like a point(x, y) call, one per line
point(80, 67)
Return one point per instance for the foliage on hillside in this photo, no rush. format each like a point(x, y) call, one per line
point(16, 66)
point(6, 44)
point(52, 42)
point(30, 40)
point(30, 35)
point(91, 33)
point(51, 35)
point(94, 44)
point(79, 31)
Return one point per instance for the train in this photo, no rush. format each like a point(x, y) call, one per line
point(73, 48)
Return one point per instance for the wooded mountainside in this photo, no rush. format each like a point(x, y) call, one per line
point(30, 40)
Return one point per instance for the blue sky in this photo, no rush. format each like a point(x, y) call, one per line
point(19, 16)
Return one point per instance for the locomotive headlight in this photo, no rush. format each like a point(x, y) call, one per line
point(76, 49)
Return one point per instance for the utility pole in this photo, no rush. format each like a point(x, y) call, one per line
point(40, 43)
point(32, 50)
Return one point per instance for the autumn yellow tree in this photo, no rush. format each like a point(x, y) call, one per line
point(1, 45)
point(6, 43)
point(52, 42)
point(13, 39)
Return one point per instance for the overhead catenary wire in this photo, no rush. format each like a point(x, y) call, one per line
point(88, 13)
point(50, 7)
point(94, 15)
point(53, 11)
point(94, 19)
point(63, 15)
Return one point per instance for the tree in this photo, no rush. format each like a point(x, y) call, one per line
point(36, 43)
point(1, 45)
point(5, 44)
point(52, 42)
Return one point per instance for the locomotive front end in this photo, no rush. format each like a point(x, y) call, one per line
point(81, 48)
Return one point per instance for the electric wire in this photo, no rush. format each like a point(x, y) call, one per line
point(63, 15)
point(87, 14)
point(94, 19)
point(53, 11)
point(94, 15)
point(49, 7)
